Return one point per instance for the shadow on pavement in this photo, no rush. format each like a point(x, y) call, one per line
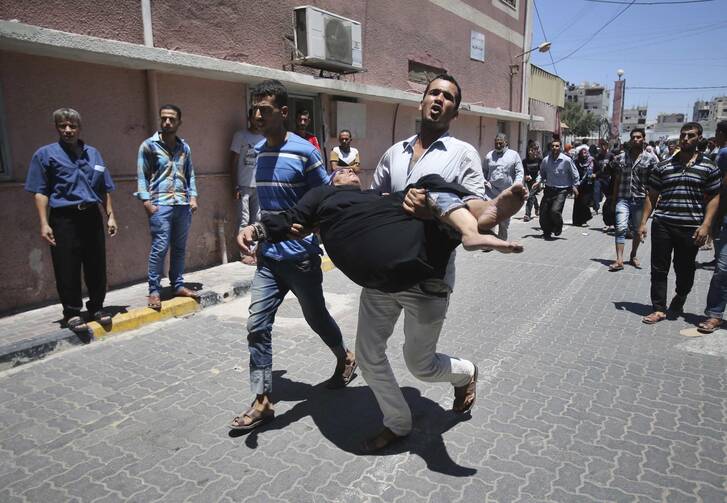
point(605, 261)
point(347, 416)
point(634, 307)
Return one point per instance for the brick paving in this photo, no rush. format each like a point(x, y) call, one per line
point(578, 401)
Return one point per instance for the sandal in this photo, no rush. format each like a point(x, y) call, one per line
point(654, 317)
point(154, 301)
point(635, 262)
point(465, 396)
point(102, 317)
point(616, 267)
point(380, 441)
point(709, 325)
point(343, 374)
point(77, 325)
point(255, 416)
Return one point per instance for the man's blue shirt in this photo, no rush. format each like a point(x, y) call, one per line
point(721, 160)
point(283, 175)
point(164, 177)
point(67, 179)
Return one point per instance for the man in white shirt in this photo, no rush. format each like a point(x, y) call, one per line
point(432, 151)
point(502, 167)
point(243, 173)
point(344, 155)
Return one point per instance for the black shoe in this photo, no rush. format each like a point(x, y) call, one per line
point(548, 237)
point(558, 233)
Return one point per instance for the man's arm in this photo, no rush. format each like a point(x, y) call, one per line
point(41, 204)
point(541, 178)
point(333, 161)
point(233, 173)
point(575, 177)
point(649, 204)
point(704, 231)
point(519, 170)
point(143, 174)
point(111, 219)
point(192, 180)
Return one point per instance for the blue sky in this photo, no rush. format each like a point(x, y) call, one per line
point(656, 45)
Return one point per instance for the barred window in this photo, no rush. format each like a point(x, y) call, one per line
point(510, 3)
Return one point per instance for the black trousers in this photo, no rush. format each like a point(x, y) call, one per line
point(551, 210)
point(665, 239)
point(80, 242)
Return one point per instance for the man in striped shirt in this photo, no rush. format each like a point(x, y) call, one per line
point(287, 166)
point(166, 185)
point(687, 183)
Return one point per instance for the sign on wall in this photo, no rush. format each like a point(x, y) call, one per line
point(351, 116)
point(477, 46)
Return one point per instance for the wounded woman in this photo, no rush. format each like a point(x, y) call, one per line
point(377, 244)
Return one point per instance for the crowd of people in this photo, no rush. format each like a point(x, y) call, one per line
point(430, 193)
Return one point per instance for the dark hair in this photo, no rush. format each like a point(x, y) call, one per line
point(554, 140)
point(302, 112)
point(702, 145)
point(721, 127)
point(692, 125)
point(345, 131)
point(169, 106)
point(448, 78)
point(272, 88)
point(638, 130)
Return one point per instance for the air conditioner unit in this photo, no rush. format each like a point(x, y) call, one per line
point(327, 41)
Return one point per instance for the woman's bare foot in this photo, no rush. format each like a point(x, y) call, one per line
point(490, 242)
point(511, 247)
point(504, 206)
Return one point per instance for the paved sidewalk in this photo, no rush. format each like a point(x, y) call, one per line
point(33, 334)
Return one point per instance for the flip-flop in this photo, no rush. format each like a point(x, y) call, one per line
point(77, 325)
point(154, 302)
point(380, 441)
point(635, 262)
point(257, 418)
point(707, 326)
point(616, 267)
point(102, 317)
point(462, 393)
point(653, 318)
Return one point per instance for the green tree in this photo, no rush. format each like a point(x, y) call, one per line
point(580, 122)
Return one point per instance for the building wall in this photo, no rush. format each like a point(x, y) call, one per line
point(112, 103)
point(115, 105)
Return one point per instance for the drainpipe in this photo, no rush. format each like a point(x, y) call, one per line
point(525, 78)
point(152, 93)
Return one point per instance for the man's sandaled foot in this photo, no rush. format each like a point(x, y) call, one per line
point(709, 325)
point(345, 372)
point(154, 301)
point(251, 419)
point(635, 262)
point(616, 266)
point(654, 317)
point(465, 396)
point(102, 317)
point(380, 441)
point(77, 325)
point(186, 292)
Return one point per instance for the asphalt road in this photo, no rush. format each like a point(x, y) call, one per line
point(578, 400)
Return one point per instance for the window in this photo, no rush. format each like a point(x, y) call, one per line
point(510, 3)
point(421, 73)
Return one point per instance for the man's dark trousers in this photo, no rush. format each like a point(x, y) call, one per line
point(551, 210)
point(666, 238)
point(80, 241)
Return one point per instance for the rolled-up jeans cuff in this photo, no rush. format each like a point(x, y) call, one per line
point(444, 203)
point(712, 314)
point(261, 380)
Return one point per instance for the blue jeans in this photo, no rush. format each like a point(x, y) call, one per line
point(717, 295)
point(169, 226)
point(273, 280)
point(628, 215)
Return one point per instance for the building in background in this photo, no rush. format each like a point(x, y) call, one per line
point(700, 112)
point(591, 96)
point(632, 118)
point(357, 65)
point(546, 95)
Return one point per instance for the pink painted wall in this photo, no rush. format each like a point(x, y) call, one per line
point(118, 20)
point(112, 102)
point(394, 33)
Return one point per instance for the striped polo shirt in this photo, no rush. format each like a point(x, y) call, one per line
point(283, 175)
point(684, 189)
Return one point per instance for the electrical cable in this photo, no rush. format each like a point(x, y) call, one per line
point(545, 37)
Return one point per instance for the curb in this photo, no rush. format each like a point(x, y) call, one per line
point(36, 348)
